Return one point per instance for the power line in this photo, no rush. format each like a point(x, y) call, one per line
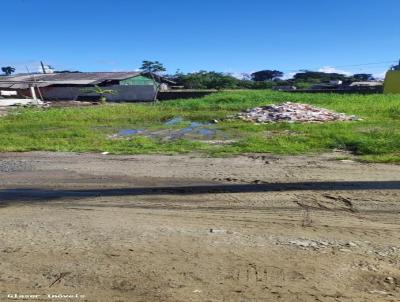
point(343, 66)
point(365, 64)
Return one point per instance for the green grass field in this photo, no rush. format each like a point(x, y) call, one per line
point(376, 138)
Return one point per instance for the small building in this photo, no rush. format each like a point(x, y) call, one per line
point(367, 84)
point(336, 82)
point(126, 86)
point(284, 88)
point(324, 86)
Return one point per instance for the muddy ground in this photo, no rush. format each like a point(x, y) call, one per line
point(3, 111)
point(189, 228)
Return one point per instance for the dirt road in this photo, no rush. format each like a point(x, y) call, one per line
point(189, 228)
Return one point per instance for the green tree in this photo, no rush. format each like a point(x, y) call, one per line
point(318, 77)
point(8, 70)
point(266, 75)
point(152, 67)
point(206, 80)
point(363, 77)
point(99, 91)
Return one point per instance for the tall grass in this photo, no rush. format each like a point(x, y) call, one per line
point(375, 138)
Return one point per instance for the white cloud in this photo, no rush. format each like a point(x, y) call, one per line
point(329, 69)
point(380, 75)
point(288, 75)
point(240, 75)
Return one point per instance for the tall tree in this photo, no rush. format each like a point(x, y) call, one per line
point(206, 80)
point(317, 76)
point(266, 75)
point(8, 70)
point(152, 67)
point(363, 77)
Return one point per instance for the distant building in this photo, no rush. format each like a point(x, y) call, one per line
point(336, 82)
point(127, 86)
point(366, 84)
point(324, 86)
point(284, 88)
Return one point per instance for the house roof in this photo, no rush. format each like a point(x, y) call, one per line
point(20, 85)
point(86, 76)
point(23, 81)
point(71, 78)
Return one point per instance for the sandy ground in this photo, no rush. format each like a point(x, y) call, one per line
point(189, 228)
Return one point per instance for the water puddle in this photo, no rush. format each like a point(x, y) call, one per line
point(193, 131)
point(174, 121)
point(127, 132)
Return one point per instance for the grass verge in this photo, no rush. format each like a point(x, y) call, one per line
point(86, 129)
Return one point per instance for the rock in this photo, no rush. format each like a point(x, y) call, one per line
point(303, 243)
point(36, 285)
point(382, 254)
point(351, 244)
point(389, 280)
point(217, 231)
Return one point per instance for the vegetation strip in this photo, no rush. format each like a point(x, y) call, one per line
point(375, 138)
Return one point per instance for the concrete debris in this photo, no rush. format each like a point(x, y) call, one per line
point(292, 112)
point(22, 102)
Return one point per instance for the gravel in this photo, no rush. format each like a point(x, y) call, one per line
point(15, 166)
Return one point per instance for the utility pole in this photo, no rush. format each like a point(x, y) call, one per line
point(32, 88)
point(44, 70)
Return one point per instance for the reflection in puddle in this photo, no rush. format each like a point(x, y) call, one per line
point(174, 121)
point(207, 132)
point(127, 132)
point(194, 131)
point(196, 124)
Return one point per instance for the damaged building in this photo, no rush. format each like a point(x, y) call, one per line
point(125, 86)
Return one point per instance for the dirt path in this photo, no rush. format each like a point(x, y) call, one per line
point(188, 228)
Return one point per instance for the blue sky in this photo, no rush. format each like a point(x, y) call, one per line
point(222, 35)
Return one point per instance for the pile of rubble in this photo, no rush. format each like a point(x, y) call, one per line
point(292, 112)
point(9, 102)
